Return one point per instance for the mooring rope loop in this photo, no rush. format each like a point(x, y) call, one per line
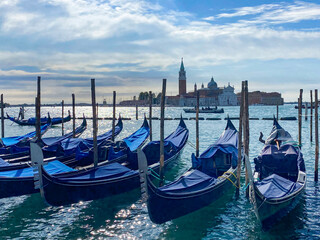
point(191, 144)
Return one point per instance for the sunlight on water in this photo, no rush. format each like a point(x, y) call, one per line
point(125, 216)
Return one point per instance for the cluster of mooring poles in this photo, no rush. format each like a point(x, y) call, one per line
point(243, 142)
point(316, 125)
point(243, 148)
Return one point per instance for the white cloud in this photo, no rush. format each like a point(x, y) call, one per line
point(211, 18)
point(136, 36)
point(244, 11)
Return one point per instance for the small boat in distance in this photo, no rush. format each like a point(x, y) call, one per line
point(279, 177)
point(43, 121)
point(204, 110)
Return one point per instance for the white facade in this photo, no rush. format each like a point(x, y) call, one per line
point(228, 97)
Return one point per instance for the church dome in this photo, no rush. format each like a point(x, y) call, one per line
point(212, 84)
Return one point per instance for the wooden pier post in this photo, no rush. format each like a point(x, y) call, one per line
point(306, 111)
point(97, 111)
point(113, 115)
point(197, 125)
point(62, 115)
point(136, 112)
point(150, 114)
point(2, 117)
point(94, 122)
point(316, 133)
point(277, 112)
point(163, 98)
point(38, 113)
point(73, 115)
point(240, 138)
point(311, 117)
point(246, 129)
point(300, 116)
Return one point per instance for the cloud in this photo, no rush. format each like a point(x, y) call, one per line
point(211, 18)
point(244, 11)
point(130, 45)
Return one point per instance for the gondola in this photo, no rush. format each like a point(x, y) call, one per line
point(211, 175)
point(19, 156)
point(72, 146)
point(43, 121)
point(21, 181)
point(22, 148)
point(110, 179)
point(279, 177)
point(10, 141)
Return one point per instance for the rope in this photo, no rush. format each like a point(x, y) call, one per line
point(229, 180)
point(157, 176)
point(192, 145)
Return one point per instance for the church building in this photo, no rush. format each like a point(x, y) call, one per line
point(212, 95)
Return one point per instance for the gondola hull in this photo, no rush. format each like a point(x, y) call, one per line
point(55, 192)
point(18, 186)
point(270, 212)
point(163, 208)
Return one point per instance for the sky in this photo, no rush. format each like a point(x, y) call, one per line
point(130, 45)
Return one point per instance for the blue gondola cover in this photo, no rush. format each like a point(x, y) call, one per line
point(109, 171)
point(53, 167)
point(9, 141)
point(275, 186)
point(227, 143)
point(194, 181)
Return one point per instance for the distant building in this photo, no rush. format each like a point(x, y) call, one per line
point(212, 95)
point(263, 98)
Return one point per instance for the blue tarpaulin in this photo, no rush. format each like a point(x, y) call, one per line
point(53, 167)
point(3, 162)
point(283, 158)
point(137, 138)
point(109, 171)
point(195, 180)
point(276, 186)
point(130, 143)
point(9, 141)
point(50, 141)
point(226, 144)
point(71, 145)
point(172, 144)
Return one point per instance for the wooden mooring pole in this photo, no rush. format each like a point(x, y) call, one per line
point(316, 133)
point(163, 98)
point(150, 114)
point(94, 122)
point(306, 111)
point(246, 129)
point(311, 113)
point(2, 117)
point(197, 125)
point(62, 115)
point(114, 115)
point(240, 138)
point(38, 105)
point(73, 115)
point(136, 112)
point(300, 116)
point(97, 111)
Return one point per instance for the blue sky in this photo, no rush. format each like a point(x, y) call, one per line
point(130, 45)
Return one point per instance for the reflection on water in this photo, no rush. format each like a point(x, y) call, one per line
point(125, 217)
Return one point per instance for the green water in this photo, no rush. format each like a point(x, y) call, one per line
point(125, 217)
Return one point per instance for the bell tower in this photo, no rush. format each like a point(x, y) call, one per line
point(182, 80)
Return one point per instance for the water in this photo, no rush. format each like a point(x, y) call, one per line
point(125, 217)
